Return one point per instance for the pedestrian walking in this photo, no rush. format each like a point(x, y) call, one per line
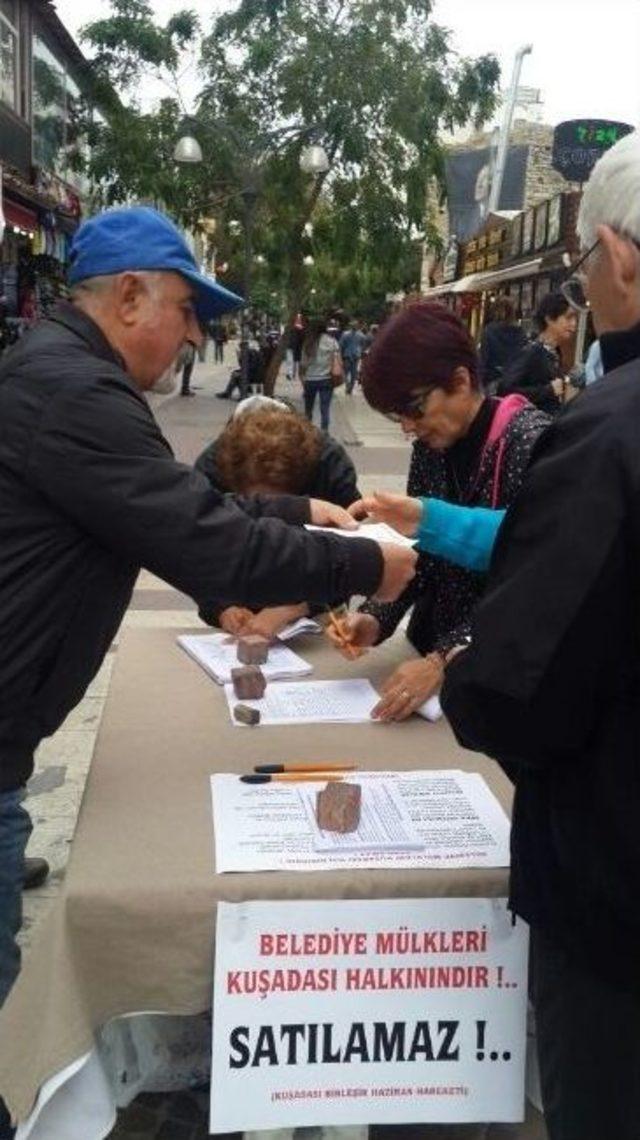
point(186, 364)
point(294, 351)
point(538, 372)
point(351, 346)
point(219, 336)
point(550, 687)
point(502, 341)
point(320, 369)
point(90, 492)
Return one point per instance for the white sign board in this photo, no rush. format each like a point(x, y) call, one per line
point(368, 1012)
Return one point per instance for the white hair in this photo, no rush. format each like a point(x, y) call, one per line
point(612, 194)
point(257, 403)
point(97, 287)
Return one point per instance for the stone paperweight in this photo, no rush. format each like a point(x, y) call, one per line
point(338, 807)
point(252, 649)
point(246, 715)
point(249, 682)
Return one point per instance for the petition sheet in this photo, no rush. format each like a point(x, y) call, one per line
point(266, 827)
point(312, 702)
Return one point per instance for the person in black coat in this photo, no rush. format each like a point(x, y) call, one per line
point(550, 687)
point(268, 448)
point(503, 340)
point(537, 372)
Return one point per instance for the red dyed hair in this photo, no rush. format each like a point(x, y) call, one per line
point(420, 347)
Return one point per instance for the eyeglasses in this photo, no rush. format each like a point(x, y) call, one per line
point(573, 288)
point(414, 409)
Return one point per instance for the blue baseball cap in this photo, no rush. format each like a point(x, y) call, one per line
point(140, 238)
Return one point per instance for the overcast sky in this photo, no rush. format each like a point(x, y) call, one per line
point(585, 56)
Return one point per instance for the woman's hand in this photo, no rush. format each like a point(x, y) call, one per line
point(408, 687)
point(329, 514)
point(398, 511)
point(357, 632)
point(234, 620)
point(270, 621)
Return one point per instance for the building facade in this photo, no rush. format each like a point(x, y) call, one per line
point(43, 75)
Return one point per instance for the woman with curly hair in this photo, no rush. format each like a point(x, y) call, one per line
point(267, 448)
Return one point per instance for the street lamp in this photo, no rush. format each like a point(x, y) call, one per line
point(187, 149)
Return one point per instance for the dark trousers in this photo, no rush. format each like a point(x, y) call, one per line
point(351, 368)
point(186, 375)
point(323, 389)
point(218, 352)
point(588, 1032)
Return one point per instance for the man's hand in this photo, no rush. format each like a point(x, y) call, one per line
point(271, 620)
point(234, 620)
point(398, 511)
point(408, 687)
point(399, 569)
point(328, 514)
point(357, 631)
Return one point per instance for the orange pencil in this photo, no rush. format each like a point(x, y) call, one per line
point(352, 651)
point(276, 769)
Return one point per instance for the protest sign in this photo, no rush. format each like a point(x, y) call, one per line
point(368, 1012)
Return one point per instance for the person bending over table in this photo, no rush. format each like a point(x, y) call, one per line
point(267, 448)
point(468, 450)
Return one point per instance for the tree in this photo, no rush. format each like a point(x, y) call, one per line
point(375, 84)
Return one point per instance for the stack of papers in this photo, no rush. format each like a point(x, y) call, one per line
point(267, 827)
point(385, 823)
point(312, 702)
point(299, 627)
point(379, 532)
point(218, 656)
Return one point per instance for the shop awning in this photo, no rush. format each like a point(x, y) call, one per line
point(20, 216)
point(479, 282)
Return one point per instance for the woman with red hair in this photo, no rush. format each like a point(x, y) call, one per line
point(469, 449)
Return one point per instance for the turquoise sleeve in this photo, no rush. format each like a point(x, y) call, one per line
point(462, 535)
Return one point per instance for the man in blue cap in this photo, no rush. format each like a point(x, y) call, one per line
point(90, 492)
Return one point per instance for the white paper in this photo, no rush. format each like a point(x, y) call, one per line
point(297, 628)
point(385, 823)
point(431, 709)
point(379, 532)
point(265, 827)
point(218, 656)
point(312, 702)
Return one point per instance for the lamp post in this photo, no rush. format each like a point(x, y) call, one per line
point(313, 161)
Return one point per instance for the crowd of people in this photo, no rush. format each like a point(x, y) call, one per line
point(522, 498)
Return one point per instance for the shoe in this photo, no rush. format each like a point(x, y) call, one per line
point(187, 393)
point(35, 874)
point(223, 395)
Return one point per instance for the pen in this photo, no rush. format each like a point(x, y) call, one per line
point(276, 769)
point(352, 651)
point(288, 778)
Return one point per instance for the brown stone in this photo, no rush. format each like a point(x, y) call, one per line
point(253, 649)
point(249, 682)
point(338, 807)
point(246, 715)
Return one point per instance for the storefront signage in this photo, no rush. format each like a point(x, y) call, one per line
point(450, 264)
point(579, 143)
point(368, 1012)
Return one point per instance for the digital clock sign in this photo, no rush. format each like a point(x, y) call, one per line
point(579, 143)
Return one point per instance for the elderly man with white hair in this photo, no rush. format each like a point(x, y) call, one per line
point(550, 687)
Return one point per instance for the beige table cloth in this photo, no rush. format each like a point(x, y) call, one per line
point(133, 926)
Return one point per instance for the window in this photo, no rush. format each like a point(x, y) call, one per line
point(9, 53)
point(57, 116)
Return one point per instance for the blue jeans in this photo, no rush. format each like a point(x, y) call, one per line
point(351, 365)
point(323, 389)
point(15, 829)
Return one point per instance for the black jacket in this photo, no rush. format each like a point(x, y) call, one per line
point(531, 373)
point(89, 493)
point(551, 684)
point(501, 342)
point(334, 478)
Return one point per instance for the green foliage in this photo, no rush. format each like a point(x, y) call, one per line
point(374, 83)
